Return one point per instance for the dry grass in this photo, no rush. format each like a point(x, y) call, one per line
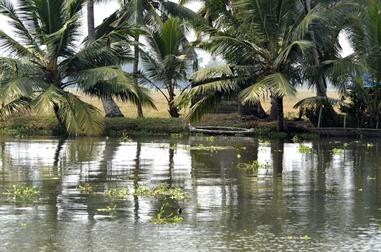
point(129, 110)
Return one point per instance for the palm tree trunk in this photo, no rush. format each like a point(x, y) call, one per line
point(253, 110)
point(320, 115)
point(274, 108)
point(135, 72)
point(280, 114)
point(321, 87)
point(59, 119)
point(109, 105)
point(172, 109)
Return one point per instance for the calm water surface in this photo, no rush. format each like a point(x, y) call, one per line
point(322, 201)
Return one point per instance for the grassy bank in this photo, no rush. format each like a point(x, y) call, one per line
point(23, 126)
point(157, 122)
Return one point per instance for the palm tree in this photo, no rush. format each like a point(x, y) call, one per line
point(44, 62)
point(166, 60)
point(109, 105)
point(365, 35)
point(262, 46)
point(318, 102)
point(144, 13)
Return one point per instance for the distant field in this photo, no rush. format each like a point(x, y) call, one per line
point(130, 111)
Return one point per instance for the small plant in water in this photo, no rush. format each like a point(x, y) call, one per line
point(167, 215)
point(210, 139)
point(125, 138)
point(304, 149)
point(177, 135)
point(109, 209)
point(117, 193)
point(163, 190)
point(369, 145)
point(23, 193)
point(85, 188)
point(337, 151)
point(305, 238)
point(296, 139)
point(143, 191)
point(254, 166)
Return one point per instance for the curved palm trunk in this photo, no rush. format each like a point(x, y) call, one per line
point(59, 119)
point(109, 105)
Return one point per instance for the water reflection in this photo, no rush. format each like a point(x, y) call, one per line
point(329, 196)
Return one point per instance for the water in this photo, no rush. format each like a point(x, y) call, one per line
point(304, 202)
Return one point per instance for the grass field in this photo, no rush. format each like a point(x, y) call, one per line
point(130, 111)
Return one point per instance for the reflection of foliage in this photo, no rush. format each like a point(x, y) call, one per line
point(85, 188)
point(167, 214)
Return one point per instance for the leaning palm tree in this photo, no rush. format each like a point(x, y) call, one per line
point(263, 43)
point(44, 63)
point(167, 59)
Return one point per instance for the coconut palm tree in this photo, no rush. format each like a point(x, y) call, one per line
point(167, 59)
point(318, 102)
point(110, 107)
point(262, 47)
point(365, 35)
point(145, 13)
point(44, 63)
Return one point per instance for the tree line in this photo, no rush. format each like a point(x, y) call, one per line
point(268, 48)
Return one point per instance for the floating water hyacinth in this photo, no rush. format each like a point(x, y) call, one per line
point(304, 149)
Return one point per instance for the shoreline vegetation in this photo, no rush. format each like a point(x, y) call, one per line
point(156, 122)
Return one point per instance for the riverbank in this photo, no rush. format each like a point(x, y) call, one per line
point(30, 125)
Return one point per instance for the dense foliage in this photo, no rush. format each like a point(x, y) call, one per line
point(267, 49)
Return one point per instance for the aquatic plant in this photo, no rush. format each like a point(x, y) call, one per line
point(125, 137)
point(304, 149)
point(210, 139)
point(296, 139)
point(167, 215)
point(254, 166)
point(163, 190)
point(337, 151)
point(22, 193)
point(143, 191)
point(85, 188)
point(109, 209)
point(201, 147)
point(177, 135)
point(117, 193)
point(369, 145)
